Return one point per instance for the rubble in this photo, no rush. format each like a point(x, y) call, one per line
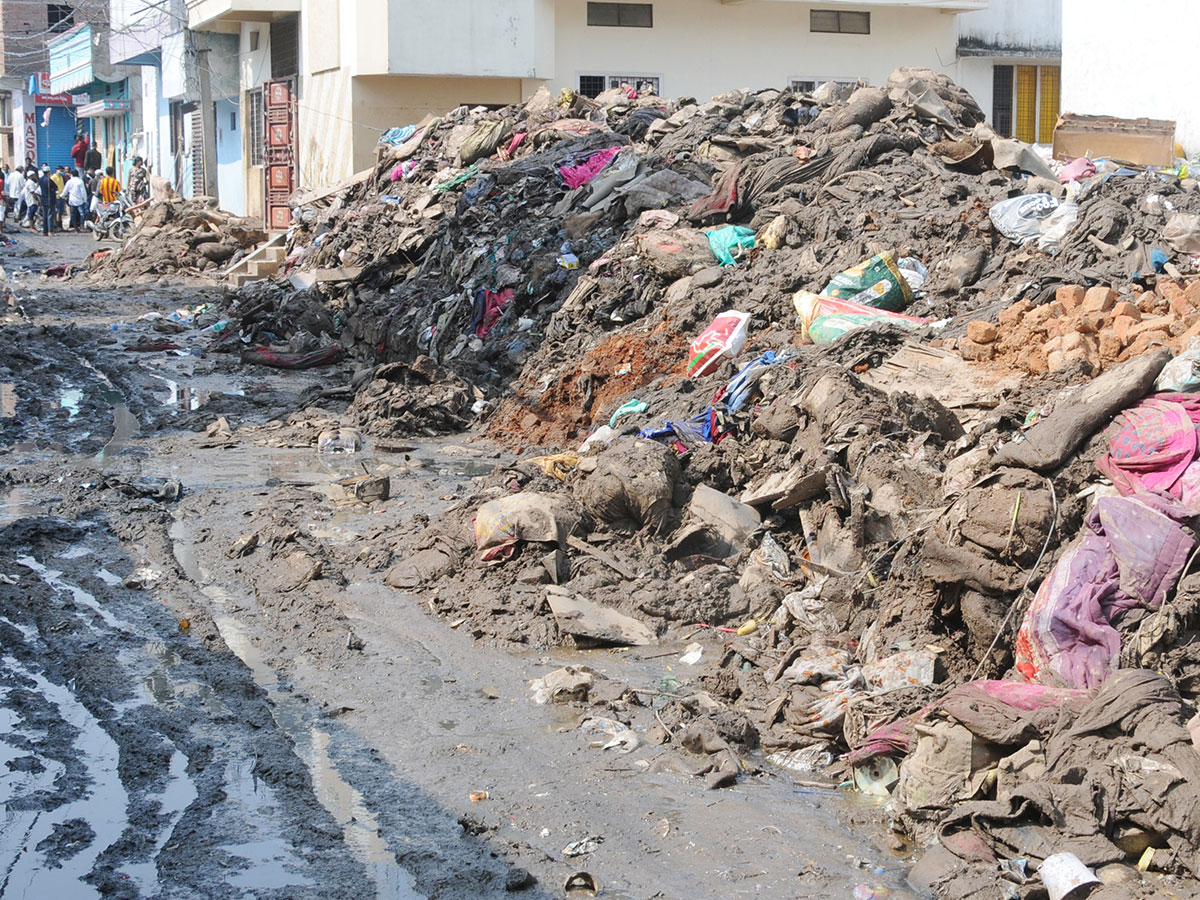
point(875, 489)
point(175, 237)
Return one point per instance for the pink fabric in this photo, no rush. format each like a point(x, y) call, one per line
point(1154, 446)
point(494, 305)
point(515, 143)
point(578, 176)
point(1076, 169)
point(1132, 554)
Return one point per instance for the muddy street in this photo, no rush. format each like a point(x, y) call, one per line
point(208, 689)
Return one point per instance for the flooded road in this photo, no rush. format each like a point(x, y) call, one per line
point(182, 719)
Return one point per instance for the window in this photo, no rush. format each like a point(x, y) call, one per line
point(59, 17)
point(623, 15)
point(810, 83)
point(285, 47)
point(592, 84)
point(1025, 102)
point(832, 21)
point(254, 40)
point(1002, 100)
point(256, 126)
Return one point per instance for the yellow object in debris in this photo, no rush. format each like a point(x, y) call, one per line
point(773, 235)
point(749, 628)
point(1147, 858)
point(557, 465)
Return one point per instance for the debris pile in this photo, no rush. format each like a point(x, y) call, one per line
point(176, 237)
point(767, 361)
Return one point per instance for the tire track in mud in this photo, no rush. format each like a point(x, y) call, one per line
point(139, 764)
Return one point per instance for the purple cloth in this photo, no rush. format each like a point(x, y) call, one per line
point(579, 175)
point(1131, 555)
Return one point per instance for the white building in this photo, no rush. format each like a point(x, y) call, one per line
point(1133, 62)
point(1010, 58)
point(332, 75)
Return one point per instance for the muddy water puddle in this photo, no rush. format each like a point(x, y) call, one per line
point(360, 827)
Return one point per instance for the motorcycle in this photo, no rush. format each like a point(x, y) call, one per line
point(112, 219)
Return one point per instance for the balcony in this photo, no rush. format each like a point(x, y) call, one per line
point(207, 14)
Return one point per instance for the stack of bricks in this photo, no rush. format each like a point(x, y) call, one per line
point(1092, 325)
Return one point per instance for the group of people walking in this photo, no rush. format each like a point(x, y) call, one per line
point(29, 193)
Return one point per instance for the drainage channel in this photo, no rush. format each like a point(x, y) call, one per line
point(360, 827)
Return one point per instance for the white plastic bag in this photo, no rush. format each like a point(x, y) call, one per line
point(1056, 226)
point(1020, 218)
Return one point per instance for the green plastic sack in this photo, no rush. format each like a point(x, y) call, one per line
point(875, 282)
point(484, 140)
point(730, 240)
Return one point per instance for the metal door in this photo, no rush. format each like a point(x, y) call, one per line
point(280, 152)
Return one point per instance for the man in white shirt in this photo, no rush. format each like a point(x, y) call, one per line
point(14, 186)
point(77, 198)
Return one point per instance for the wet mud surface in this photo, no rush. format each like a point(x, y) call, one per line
point(180, 720)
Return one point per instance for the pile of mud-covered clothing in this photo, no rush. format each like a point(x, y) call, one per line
point(175, 237)
point(882, 406)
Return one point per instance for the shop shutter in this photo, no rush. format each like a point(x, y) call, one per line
point(55, 142)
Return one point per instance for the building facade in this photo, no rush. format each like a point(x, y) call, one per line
point(1009, 56)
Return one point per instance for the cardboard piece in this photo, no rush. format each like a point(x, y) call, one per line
point(591, 620)
point(1141, 142)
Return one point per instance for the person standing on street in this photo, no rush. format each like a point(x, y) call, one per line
point(30, 196)
point(49, 199)
point(139, 182)
point(80, 151)
point(60, 177)
point(77, 198)
point(93, 159)
point(14, 187)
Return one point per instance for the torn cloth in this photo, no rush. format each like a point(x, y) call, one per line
point(576, 176)
point(488, 308)
point(1131, 555)
point(1124, 762)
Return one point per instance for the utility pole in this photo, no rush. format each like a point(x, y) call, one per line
point(208, 120)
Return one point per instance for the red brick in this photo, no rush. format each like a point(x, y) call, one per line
point(968, 349)
point(1070, 296)
point(1158, 323)
point(1192, 292)
point(1144, 342)
point(1147, 302)
point(1121, 326)
point(1099, 299)
point(1110, 346)
point(1014, 314)
point(1125, 308)
point(1168, 288)
point(982, 332)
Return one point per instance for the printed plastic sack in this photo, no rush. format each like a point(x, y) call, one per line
point(728, 243)
point(725, 337)
point(1182, 374)
point(876, 282)
point(825, 319)
point(1020, 218)
point(530, 516)
point(1056, 226)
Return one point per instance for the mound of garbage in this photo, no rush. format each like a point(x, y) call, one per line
point(885, 408)
point(176, 237)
